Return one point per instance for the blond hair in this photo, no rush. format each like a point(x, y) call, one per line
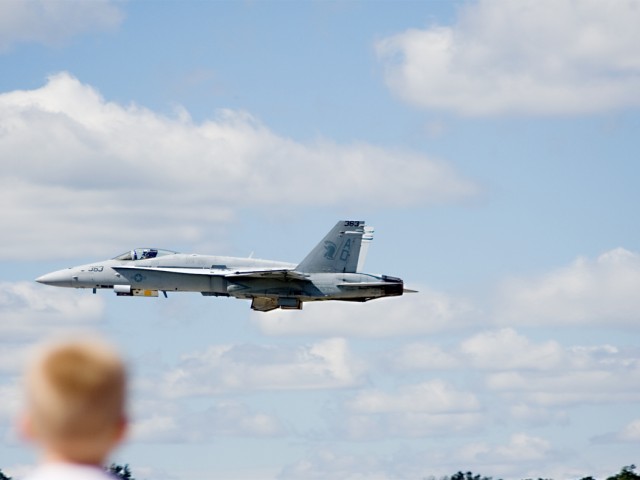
point(76, 395)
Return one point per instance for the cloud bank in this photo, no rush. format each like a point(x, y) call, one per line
point(419, 410)
point(54, 23)
point(520, 57)
point(165, 421)
point(534, 455)
point(243, 368)
point(30, 311)
point(601, 292)
point(80, 170)
point(630, 433)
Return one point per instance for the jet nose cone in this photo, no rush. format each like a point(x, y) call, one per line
point(60, 278)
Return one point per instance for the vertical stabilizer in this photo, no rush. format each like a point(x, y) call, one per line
point(339, 250)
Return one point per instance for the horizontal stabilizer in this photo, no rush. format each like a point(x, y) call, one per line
point(390, 288)
point(358, 285)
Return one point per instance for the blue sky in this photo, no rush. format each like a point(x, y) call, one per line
point(493, 147)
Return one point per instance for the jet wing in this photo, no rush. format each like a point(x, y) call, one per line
point(276, 274)
point(280, 274)
point(183, 271)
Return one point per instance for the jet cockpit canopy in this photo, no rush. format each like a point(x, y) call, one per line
point(143, 254)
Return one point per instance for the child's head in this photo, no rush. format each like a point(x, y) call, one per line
point(76, 395)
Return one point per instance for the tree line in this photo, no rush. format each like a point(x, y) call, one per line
point(625, 473)
point(123, 472)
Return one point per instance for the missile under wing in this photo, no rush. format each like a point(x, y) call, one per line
point(331, 271)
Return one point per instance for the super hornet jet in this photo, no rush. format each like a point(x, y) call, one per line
point(330, 272)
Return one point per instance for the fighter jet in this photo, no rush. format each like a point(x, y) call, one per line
point(331, 271)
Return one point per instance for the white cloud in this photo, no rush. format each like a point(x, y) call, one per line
point(12, 357)
point(425, 409)
point(521, 456)
point(534, 382)
point(525, 455)
point(535, 415)
point(328, 463)
point(412, 314)
point(32, 311)
point(588, 292)
point(608, 384)
point(522, 57)
point(431, 397)
point(12, 400)
point(79, 171)
point(629, 434)
point(237, 368)
point(523, 447)
point(506, 349)
point(501, 350)
point(422, 356)
point(53, 23)
point(160, 421)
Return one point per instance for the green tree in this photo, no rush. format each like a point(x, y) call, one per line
point(626, 473)
point(123, 472)
point(468, 476)
point(3, 476)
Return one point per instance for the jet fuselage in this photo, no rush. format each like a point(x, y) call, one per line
point(327, 273)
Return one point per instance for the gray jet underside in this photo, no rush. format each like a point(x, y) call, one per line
point(331, 271)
